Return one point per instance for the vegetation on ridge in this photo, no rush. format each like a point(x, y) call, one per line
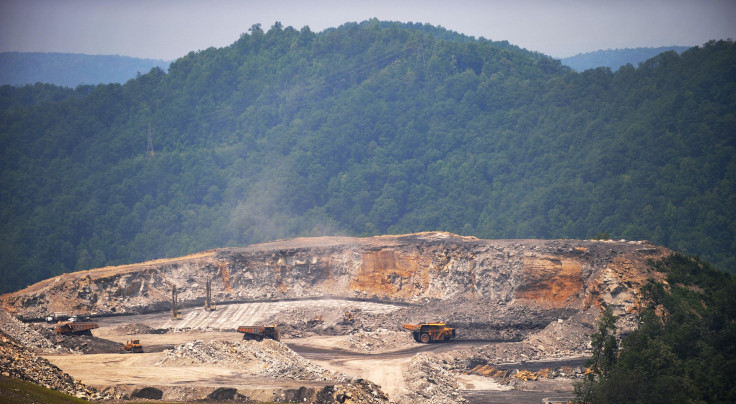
point(367, 129)
point(685, 348)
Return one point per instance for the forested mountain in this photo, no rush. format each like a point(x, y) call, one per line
point(71, 69)
point(367, 129)
point(615, 58)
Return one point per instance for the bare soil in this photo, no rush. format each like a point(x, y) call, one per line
point(387, 358)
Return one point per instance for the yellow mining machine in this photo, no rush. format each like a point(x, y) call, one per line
point(76, 327)
point(430, 332)
point(348, 318)
point(316, 320)
point(259, 332)
point(133, 345)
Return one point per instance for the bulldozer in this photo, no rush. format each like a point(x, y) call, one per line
point(133, 345)
point(316, 320)
point(348, 318)
point(430, 332)
point(258, 333)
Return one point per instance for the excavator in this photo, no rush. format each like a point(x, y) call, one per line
point(430, 332)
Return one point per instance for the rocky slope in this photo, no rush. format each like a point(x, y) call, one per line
point(560, 277)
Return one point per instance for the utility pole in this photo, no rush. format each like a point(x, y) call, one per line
point(149, 148)
point(421, 48)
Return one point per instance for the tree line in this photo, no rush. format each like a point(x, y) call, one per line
point(369, 128)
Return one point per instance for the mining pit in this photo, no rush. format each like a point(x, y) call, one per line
point(523, 311)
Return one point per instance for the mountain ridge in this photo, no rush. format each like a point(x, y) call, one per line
point(615, 58)
point(370, 128)
point(71, 69)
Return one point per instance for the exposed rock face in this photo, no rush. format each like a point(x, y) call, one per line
point(551, 274)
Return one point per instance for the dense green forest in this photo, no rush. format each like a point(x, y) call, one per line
point(684, 350)
point(368, 128)
point(71, 69)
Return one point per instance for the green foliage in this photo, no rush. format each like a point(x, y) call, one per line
point(369, 128)
point(14, 390)
point(684, 349)
point(603, 361)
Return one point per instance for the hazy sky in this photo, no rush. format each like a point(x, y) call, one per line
point(168, 29)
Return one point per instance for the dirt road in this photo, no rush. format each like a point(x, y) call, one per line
point(381, 356)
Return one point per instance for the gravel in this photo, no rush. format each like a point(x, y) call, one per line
point(378, 341)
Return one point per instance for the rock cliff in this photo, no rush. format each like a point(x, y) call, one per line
point(570, 275)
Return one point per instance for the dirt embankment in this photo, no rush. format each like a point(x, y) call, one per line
point(415, 268)
point(509, 300)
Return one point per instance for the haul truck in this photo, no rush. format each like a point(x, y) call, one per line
point(258, 333)
point(76, 327)
point(430, 332)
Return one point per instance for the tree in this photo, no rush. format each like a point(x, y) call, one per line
point(605, 353)
point(683, 350)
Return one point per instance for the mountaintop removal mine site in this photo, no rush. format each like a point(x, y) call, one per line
point(418, 318)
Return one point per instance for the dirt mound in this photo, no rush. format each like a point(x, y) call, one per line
point(85, 344)
point(31, 336)
point(148, 393)
point(266, 358)
point(137, 328)
point(361, 391)
point(430, 380)
point(226, 394)
point(566, 337)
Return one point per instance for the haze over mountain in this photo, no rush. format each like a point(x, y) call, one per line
point(367, 129)
point(615, 58)
point(71, 70)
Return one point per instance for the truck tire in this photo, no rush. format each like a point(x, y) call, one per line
point(425, 338)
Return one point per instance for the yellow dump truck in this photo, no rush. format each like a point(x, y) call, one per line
point(430, 332)
point(258, 333)
point(76, 327)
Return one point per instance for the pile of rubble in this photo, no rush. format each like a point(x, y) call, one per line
point(77, 343)
point(359, 391)
point(565, 337)
point(266, 358)
point(430, 380)
point(506, 376)
point(138, 328)
point(378, 341)
point(18, 362)
point(31, 337)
